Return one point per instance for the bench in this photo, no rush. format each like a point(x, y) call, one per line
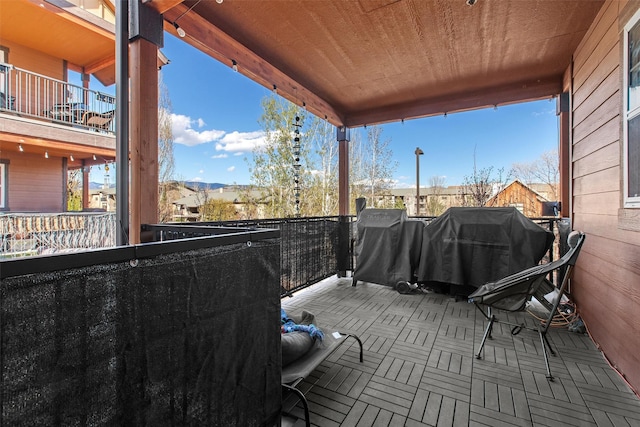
point(299, 369)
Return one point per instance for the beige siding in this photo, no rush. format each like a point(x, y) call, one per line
point(34, 61)
point(34, 101)
point(35, 183)
point(606, 284)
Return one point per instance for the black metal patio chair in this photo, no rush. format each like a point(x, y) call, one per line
point(513, 292)
point(294, 373)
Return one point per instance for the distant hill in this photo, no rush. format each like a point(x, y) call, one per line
point(98, 185)
point(194, 185)
point(197, 185)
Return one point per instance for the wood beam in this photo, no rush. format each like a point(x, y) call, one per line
point(209, 39)
point(161, 6)
point(79, 16)
point(144, 136)
point(487, 98)
point(99, 65)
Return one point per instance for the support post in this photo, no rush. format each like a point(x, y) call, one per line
point(145, 37)
point(85, 186)
point(122, 123)
point(562, 111)
point(418, 153)
point(343, 136)
point(343, 252)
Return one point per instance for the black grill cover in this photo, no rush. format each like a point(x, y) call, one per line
point(472, 246)
point(388, 246)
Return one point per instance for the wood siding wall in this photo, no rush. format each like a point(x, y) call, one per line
point(517, 194)
point(606, 285)
point(34, 96)
point(35, 184)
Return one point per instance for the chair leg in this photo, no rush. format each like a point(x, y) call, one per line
point(303, 400)
point(487, 334)
point(545, 344)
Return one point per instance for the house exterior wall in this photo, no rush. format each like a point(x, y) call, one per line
point(36, 184)
point(606, 284)
point(39, 63)
point(32, 60)
point(520, 197)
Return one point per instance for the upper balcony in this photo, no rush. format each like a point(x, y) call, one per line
point(35, 96)
point(41, 113)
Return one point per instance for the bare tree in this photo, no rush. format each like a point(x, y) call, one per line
point(323, 167)
point(544, 170)
point(273, 170)
point(372, 168)
point(166, 161)
point(435, 206)
point(478, 188)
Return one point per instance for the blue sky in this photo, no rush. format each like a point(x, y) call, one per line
point(216, 113)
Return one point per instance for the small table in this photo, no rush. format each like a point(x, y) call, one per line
point(71, 112)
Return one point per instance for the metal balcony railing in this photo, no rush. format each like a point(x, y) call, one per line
point(37, 96)
point(311, 249)
point(29, 234)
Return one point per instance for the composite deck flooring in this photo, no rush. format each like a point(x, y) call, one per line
point(419, 366)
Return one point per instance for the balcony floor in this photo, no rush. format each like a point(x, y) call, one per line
point(419, 367)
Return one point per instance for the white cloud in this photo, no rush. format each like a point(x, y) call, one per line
point(220, 156)
point(183, 132)
point(241, 142)
point(197, 178)
point(231, 168)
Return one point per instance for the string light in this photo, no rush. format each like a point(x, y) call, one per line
point(71, 158)
point(46, 154)
point(20, 148)
point(296, 164)
point(234, 65)
point(179, 30)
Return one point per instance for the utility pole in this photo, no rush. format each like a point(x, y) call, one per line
point(418, 152)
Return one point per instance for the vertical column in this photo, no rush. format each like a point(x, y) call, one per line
point(343, 136)
point(562, 111)
point(343, 253)
point(146, 34)
point(122, 123)
point(85, 185)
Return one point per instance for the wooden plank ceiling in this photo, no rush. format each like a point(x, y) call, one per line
point(62, 30)
point(362, 62)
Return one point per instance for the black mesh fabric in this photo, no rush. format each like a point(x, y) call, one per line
point(188, 338)
point(311, 248)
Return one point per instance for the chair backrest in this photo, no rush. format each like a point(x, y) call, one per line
point(511, 292)
point(575, 239)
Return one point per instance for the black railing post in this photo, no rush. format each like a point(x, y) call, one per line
point(342, 254)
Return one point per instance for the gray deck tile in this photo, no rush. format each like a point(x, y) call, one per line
point(419, 367)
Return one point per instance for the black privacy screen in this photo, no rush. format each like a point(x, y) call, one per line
point(186, 338)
